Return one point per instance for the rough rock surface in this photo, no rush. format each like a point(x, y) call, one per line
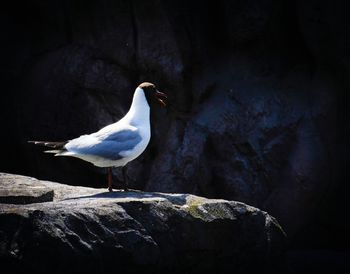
point(15, 191)
point(86, 230)
point(255, 87)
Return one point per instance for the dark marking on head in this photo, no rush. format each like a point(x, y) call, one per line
point(147, 85)
point(152, 94)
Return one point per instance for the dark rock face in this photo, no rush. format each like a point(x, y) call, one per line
point(253, 88)
point(85, 230)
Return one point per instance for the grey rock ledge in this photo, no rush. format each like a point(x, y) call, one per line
point(86, 230)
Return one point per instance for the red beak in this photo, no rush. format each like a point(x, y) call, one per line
point(161, 97)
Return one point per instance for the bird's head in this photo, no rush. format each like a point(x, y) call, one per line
point(152, 94)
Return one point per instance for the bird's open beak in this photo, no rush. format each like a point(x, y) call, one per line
point(161, 97)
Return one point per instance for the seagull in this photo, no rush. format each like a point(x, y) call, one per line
point(119, 143)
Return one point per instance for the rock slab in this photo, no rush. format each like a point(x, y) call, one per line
point(21, 190)
point(86, 230)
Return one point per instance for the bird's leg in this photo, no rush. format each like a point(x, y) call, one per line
point(125, 177)
point(110, 181)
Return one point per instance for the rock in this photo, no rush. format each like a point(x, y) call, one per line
point(86, 230)
point(23, 190)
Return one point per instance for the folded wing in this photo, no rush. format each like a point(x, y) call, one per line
point(108, 146)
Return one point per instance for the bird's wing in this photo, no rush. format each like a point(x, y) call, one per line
point(108, 145)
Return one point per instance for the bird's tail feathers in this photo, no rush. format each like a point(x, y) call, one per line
point(56, 145)
point(57, 151)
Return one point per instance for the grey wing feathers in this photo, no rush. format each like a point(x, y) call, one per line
point(109, 146)
point(122, 136)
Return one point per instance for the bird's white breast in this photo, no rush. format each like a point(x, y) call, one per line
point(139, 117)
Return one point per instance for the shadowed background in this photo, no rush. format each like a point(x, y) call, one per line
point(256, 91)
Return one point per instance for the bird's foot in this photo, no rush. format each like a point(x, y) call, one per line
point(110, 189)
point(126, 189)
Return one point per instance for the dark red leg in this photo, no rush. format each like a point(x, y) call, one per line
point(110, 182)
point(125, 178)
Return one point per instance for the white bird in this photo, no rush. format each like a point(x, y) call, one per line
point(116, 144)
